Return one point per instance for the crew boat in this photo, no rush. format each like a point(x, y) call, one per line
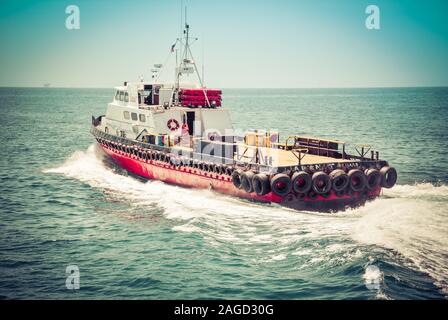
point(180, 133)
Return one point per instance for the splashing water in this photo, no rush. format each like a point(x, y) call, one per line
point(410, 220)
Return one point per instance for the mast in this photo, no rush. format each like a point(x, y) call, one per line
point(186, 60)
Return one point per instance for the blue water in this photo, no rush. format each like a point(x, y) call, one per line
point(63, 203)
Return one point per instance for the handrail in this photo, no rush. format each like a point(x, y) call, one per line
point(168, 150)
point(356, 163)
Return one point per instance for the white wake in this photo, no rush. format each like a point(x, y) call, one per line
point(410, 219)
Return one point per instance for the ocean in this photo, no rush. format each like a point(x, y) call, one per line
point(63, 203)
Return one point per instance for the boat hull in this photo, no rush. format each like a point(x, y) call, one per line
point(195, 178)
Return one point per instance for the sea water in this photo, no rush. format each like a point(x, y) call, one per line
point(64, 203)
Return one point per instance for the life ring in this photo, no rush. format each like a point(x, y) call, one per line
point(172, 124)
point(212, 136)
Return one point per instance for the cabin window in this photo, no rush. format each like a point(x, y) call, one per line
point(134, 116)
point(121, 95)
point(126, 97)
point(117, 95)
point(126, 115)
point(142, 118)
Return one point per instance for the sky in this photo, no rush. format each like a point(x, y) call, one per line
point(243, 43)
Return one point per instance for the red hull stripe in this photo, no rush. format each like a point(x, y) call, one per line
point(184, 176)
point(195, 178)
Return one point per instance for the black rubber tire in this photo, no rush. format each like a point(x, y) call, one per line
point(281, 184)
point(261, 185)
point(301, 182)
point(339, 180)
point(236, 178)
point(222, 169)
point(229, 171)
point(388, 177)
point(217, 169)
point(373, 179)
point(196, 164)
point(318, 178)
point(357, 180)
point(246, 181)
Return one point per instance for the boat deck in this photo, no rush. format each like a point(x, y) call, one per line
point(281, 158)
point(276, 157)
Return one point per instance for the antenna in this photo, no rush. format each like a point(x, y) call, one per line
point(203, 59)
point(186, 59)
point(181, 17)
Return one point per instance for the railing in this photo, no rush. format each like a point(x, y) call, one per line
point(358, 162)
point(179, 152)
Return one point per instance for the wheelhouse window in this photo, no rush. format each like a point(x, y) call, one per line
point(142, 118)
point(117, 95)
point(121, 95)
point(134, 116)
point(126, 115)
point(126, 97)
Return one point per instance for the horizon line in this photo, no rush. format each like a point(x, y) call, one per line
point(246, 88)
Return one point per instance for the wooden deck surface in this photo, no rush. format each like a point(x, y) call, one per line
point(282, 158)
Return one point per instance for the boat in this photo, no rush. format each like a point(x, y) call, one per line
point(180, 133)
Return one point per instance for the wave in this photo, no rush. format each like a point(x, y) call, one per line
point(412, 222)
point(409, 219)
